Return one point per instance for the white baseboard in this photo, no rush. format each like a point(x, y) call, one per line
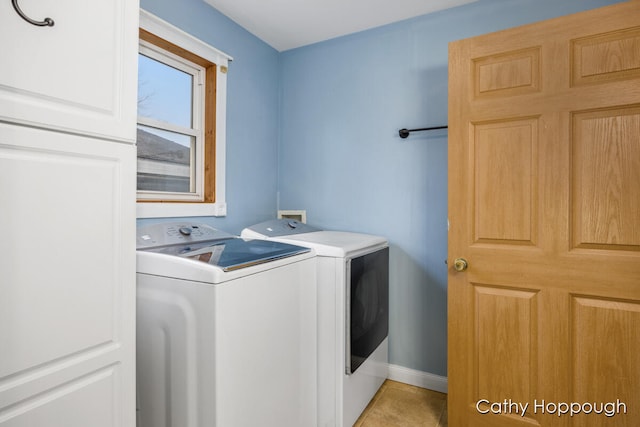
point(418, 378)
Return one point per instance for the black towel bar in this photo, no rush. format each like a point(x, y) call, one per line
point(405, 132)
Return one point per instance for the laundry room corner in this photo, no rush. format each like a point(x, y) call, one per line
point(341, 158)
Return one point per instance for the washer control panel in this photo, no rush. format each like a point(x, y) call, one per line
point(172, 233)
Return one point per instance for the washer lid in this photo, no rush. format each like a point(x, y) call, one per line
point(232, 253)
point(201, 242)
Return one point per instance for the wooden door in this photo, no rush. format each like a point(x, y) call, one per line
point(544, 205)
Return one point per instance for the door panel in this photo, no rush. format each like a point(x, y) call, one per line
point(76, 75)
point(92, 399)
point(605, 175)
point(606, 57)
point(544, 195)
point(507, 73)
point(505, 181)
point(506, 345)
point(34, 297)
point(67, 300)
point(603, 331)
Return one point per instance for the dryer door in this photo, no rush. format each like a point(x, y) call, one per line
point(367, 306)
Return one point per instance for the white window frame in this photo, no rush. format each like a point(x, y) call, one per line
point(174, 35)
point(196, 172)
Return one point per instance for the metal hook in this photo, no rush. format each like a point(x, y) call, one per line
point(48, 22)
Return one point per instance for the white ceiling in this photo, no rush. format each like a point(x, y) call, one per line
point(287, 24)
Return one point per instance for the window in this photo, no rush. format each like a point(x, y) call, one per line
point(181, 123)
point(170, 133)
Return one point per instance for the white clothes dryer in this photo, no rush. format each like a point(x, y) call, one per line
point(353, 314)
point(226, 329)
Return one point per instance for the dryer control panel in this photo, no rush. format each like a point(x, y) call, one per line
point(282, 227)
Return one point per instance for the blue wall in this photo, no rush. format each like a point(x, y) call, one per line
point(342, 160)
point(252, 109)
point(315, 128)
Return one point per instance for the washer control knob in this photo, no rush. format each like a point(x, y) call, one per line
point(185, 231)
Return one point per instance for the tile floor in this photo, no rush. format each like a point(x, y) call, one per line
point(402, 405)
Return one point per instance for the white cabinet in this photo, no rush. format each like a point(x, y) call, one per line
point(67, 214)
point(75, 76)
point(68, 280)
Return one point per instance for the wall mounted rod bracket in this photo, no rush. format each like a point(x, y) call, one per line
point(405, 132)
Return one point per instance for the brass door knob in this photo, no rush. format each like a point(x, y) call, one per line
point(460, 264)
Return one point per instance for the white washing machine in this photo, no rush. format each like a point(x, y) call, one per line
point(226, 330)
point(353, 314)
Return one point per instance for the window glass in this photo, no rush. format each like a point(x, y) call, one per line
point(164, 92)
point(169, 134)
point(165, 160)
